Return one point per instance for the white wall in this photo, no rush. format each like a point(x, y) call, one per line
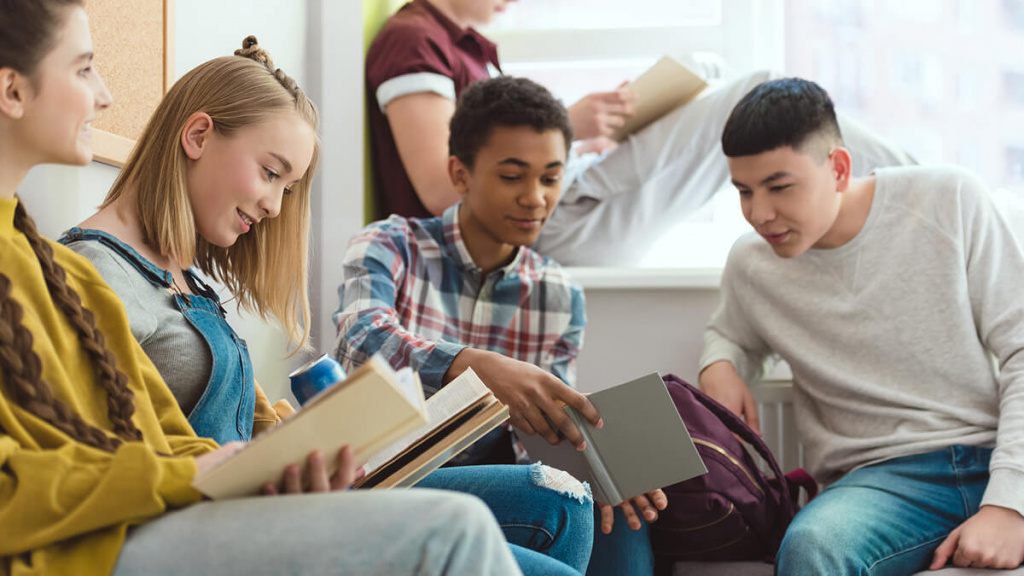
point(297, 34)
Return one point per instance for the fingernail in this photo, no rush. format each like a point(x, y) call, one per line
point(600, 423)
point(582, 446)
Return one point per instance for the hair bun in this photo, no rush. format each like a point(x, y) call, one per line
point(251, 49)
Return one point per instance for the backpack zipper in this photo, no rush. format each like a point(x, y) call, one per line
point(723, 452)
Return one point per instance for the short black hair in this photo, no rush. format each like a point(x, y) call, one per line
point(787, 112)
point(503, 101)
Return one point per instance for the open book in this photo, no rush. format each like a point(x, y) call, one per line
point(642, 446)
point(370, 410)
point(659, 90)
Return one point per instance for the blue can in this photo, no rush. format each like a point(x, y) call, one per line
point(315, 377)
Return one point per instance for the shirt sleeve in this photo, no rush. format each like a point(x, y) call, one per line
point(568, 346)
point(995, 271)
point(408, 60)
point(48, 496)
point(730, 335)
point(368, 322)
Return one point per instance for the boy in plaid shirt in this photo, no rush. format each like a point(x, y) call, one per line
point(465, 289)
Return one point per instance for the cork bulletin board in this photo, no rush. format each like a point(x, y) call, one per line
point(134, 50)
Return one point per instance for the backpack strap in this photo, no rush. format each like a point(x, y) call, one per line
point(798, 479)
point(741, 429)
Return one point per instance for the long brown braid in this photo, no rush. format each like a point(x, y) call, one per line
point(22, 367)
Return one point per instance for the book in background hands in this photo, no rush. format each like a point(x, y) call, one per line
point(368, 411)
point(642, 446)
point(660, 89)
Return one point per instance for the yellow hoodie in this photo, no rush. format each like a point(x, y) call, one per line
point(65, 507)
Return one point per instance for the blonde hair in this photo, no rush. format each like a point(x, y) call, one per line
point(266, 269)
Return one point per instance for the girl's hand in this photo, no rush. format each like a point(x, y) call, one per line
point(316, 478)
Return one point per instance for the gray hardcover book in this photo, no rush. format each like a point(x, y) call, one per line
point(643, 445)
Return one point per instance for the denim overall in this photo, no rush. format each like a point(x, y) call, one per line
point(226, 408)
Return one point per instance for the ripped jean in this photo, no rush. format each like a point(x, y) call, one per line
point(547, 516)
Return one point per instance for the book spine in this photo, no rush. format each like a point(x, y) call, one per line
point(606, 491)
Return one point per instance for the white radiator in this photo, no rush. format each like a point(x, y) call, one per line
point(778, 423)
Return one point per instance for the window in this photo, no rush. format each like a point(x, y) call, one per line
point(940, 79)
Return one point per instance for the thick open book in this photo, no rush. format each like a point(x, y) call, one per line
point(642, 446)
point(660, 89)
point(371, 410)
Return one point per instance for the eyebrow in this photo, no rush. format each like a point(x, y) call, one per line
point(87, 56)
point(522, 164)
point(771, 178)
point(284, 162)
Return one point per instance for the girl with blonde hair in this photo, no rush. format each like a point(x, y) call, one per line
point(220, 178)
point(96, 457)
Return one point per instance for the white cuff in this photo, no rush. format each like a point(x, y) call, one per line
point(413, 84)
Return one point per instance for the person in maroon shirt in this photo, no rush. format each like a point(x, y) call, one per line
point(615, 203)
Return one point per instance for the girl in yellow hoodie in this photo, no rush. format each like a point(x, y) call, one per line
point(96, 458)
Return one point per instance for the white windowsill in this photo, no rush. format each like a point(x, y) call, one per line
point(614, 278)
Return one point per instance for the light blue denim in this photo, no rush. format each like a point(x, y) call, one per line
point(886, 519)
point(624, 551)
point(225, 410)
point(365, 533)
point(549, 530)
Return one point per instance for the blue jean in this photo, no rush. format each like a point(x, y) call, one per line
point(548, 526)
point(886, 519)
point(622, 552)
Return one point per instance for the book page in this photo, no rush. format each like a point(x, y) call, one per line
point(449, 401)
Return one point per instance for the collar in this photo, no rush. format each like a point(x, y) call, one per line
point(458, 34)
point(7, 207)
point(455, 247)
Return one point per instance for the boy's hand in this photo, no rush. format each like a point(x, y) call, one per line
point(648, 505)
point(600, 113)
point(724, 384)
point(316, 478)
point(992, 538)
point(530, 394)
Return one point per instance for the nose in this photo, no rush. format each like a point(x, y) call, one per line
point(762, 210)
point(102, 95)
point(270, 205)
point(533, 196)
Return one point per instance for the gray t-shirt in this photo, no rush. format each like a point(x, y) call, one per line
point(177, 349)
point(891, 336)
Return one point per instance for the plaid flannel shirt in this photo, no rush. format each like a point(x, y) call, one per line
point(413, 294)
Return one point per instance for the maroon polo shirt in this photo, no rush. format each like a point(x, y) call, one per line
point(418, 50)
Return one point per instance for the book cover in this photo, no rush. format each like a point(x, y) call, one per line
point(659, 90)
point(643, 446)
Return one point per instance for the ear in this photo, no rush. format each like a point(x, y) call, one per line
point(841, 163)
point(196, 134)
point(13, 93)
point(459, 174)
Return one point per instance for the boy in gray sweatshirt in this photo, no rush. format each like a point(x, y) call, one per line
point(889, 296)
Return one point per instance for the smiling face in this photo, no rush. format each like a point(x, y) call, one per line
point(789, 197)
point(511, 190)
point(63, 96)
point(234, 182)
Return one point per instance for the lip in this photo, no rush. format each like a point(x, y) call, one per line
point(779, 238)
point(242, 216)
point(526, 224)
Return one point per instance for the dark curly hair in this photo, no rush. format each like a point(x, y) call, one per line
point(503, 101)
point(787, 112)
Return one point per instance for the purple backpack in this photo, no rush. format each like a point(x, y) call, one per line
point(734, 512)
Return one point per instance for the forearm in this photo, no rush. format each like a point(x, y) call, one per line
point(48, 496)
point(380, 333)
